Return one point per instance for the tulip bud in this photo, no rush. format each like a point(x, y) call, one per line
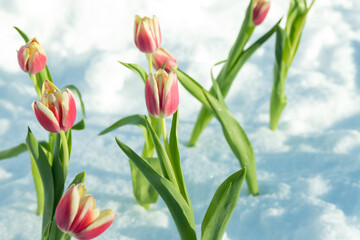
point(160, 56)
point(77, 216)
point(147, 34)
point(32, 57)
point(162, 93)
point(56, 111)
point(260, 10)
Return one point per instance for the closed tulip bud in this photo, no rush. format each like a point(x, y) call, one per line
point(147, 34)
point(160, 56)
point(77, 216)
point(56, 111)
point(32, 57)
point(260, 10)
point(162, 93)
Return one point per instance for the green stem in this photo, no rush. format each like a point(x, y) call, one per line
point(150, 62)
point(65, 153)
point(34, 81)
point(38, 186)
point(164, 135)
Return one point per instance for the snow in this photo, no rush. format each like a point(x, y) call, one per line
point(308, 170)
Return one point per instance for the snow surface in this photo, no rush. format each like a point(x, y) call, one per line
point(308, 170)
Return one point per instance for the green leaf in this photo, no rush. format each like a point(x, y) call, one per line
point(224, 79)
point(237, 140)
point(222, 207)
point(136, 69)
point(13, 152)
point(191, 86)
point(164, 159)
point(178, 207)
point(46, 177)
point(133, 120)
point(278, 98)
point(39, 189)
point(79, 178)
point(81, 124)
point(22, 34)
point(144, 192)
point(57, 171)
point(175, 158)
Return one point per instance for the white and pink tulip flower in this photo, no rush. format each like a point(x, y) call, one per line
point(147, 34)
point(260, 10)
point(56, 111)
point(162, 93)
point(160, 56)
point(32, 57)
point(77, 216)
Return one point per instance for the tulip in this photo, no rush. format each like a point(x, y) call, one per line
point(162, 93)
point(160, 56)
point(56, 111)
point(32, 57)
point(260, 10)
point(147, 34)
point(77, 216)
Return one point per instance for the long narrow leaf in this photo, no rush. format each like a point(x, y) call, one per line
point(22, 34)
point(179, 209)
point(13, 152)
point(46, 177)
point(175, 157)
point(222, 207)
point(237, 140)
point(136, 69)
point(132, 120)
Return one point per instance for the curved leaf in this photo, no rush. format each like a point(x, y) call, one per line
point(237, 140)
point(222, 207)
point(132, 120)
point(136, 69)
point(179, 209)
point(13, 152)
point(46, 177)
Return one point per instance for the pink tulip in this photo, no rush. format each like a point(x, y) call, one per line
point(57, 110)
point(32, 57)
point(77, 216)
point(160, 56)
point(260, 10)
point(147, 34)
point(162, 93)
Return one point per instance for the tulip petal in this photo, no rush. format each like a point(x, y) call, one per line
point(67, 208)
point(160, 56)
point(46, 117)
point(68, 107)
point(144, 38)
point(136, 25)
point(96, 228)
point(152, 96)
point(170, 97)
point(157, 32)
point(86, 214)
point(37, 61)
point(23, 58)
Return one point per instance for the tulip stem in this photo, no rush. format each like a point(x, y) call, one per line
point(65, 153)
point(150, 62)
point(37, 89)
point(164, 135)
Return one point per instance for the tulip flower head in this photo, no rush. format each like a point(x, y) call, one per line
point(160, 56)
point(260, 10)
point(162, 93)
point(147, 34)
point(56, 111)
point(77, 216)
point(32, 57)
